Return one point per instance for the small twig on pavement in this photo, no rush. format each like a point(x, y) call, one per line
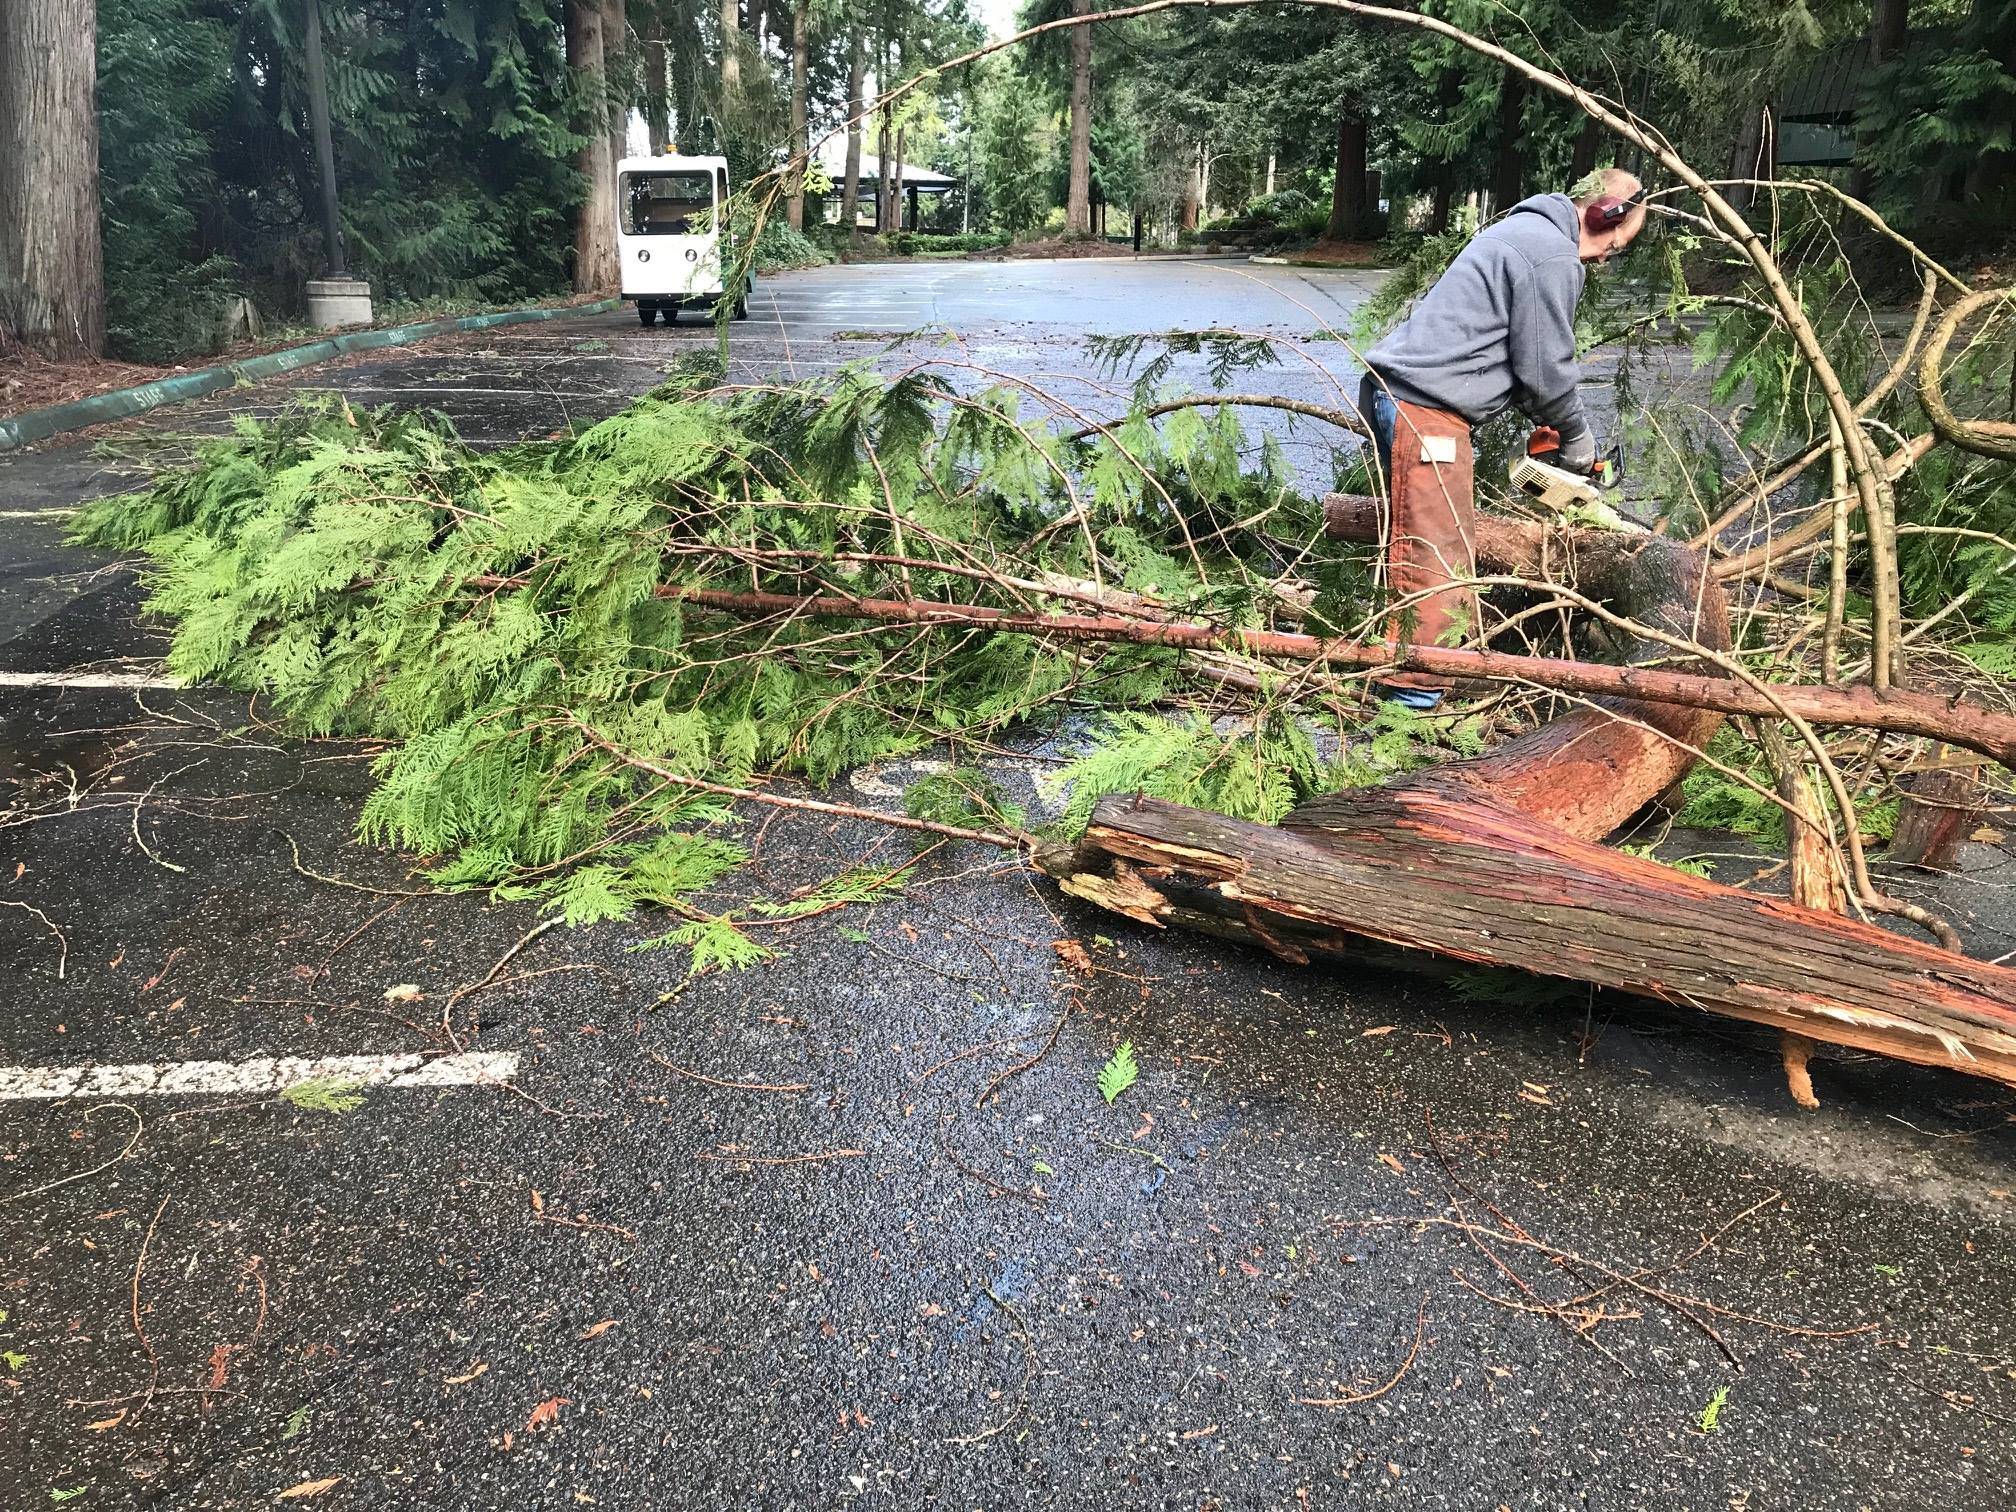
point(1031, 1195)
point(139, 1126)
point(62, 943)
point(1001, 1078)
point(140, 1329)
point(315, 876)
point(1420, 1332)
point(959, 1055)
point(447, 1007)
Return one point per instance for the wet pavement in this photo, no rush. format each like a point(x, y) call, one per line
point(856, 1226)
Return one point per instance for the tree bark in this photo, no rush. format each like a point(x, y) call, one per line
point(52, 268)
point(1493, 859)
point(896, 181)
point(1508, 173)
point(595, 222)
point(731, 59)
point(325, 142)
point(657, 95)
point(1439, 206)
point(1078, 189)
point(850, 187)
point(1347, 195)
point(1588, 142)
point(622, 79)
point(885, 146)
point(1454, 871)
point(794, 204)
point(1939, 811)
point(1193, 193)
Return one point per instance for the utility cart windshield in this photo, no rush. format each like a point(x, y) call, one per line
point(677, 203)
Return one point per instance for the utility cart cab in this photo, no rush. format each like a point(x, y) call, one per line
point(668, 233)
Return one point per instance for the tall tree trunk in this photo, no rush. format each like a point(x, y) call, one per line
point(850, 186)
point(622, 71)
point(1270, 173)
point(1078, 193)
point(657, 95)
point(1889, 30)
point(1588, 142)
point(731, 60)
point(1448, 93)
point(885, 146)
point(685, 59)
point(1755, 155)
point(794, 206)
point(1347, 195)
point(52, 266)
point(325, 143)
point(1193, 193)
point(896, 197)
point(1509, 166)
point(594, 226)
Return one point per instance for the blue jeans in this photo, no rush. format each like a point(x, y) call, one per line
point(1376, 405)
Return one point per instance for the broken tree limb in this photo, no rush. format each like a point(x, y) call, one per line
point(1590, 769)
point(1447, 870)
point(1955, 721)
point(1987, 438)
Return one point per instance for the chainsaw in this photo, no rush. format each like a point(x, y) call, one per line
point(1540, 475)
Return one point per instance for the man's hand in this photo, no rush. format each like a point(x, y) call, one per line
point(1577, 453)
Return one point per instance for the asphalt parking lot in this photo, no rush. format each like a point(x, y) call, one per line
point(784, 1238)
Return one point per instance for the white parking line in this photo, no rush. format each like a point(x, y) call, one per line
point(261, 1074)
point(88, 680)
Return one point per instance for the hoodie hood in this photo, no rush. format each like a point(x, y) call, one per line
point(1556, 209)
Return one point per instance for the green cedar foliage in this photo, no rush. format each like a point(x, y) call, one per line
point(514, 621)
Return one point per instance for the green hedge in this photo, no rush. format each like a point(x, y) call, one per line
point(911, 243)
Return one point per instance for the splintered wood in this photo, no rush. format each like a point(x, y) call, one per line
point(1495, 860)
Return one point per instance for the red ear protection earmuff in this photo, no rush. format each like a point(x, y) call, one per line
point(1609, 210)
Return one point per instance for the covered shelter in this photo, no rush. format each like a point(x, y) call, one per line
point(917, 181)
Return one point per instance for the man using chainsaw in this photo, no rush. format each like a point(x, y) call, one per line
point(1496, 329)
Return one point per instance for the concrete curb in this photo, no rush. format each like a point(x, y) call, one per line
point(38, 425)
point(1325, 267)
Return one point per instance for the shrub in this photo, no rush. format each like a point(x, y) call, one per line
point(779, 249)
point(912, 243)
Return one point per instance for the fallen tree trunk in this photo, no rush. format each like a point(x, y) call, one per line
point(1494, 860)
point(1446, 869)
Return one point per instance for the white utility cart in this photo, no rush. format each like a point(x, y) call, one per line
point(669, 211)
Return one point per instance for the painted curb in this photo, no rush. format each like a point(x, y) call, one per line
point(38, 425)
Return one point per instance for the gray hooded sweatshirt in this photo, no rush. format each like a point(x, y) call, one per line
point(1498, 327)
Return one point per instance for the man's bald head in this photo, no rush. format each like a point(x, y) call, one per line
point(1607, 183)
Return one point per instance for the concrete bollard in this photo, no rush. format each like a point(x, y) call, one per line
point(337, 302)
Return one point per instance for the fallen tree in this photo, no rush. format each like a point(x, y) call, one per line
point(1492, 860)
point(587, 651)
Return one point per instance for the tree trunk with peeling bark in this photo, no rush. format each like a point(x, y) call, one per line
point(594, 226)
point(794, 205)
point(52, 268)
point(1078, 185)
